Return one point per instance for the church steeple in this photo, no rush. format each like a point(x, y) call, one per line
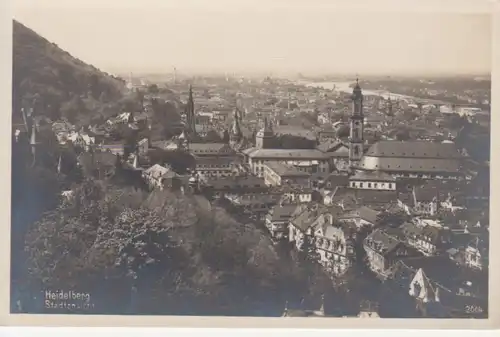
point(356, 121)
point(235, 133)
point(267, 125)
point(190, 116)
point(265, 136)
point(183, 142)
point(389, 106)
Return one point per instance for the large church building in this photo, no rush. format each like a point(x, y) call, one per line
point(377, 167)
point(394, 159)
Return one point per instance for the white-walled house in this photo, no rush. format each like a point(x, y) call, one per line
point(373, 181)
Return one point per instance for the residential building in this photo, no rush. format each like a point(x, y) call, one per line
point(373, 181)
point(383, 251)
point(277, 220)
point(160, 177)
point(278, 174)
point(115, 148)
point(334, 243)
point(476, 253)
point(255, 205)
point(360, 217)
point(143, 146)
point(208, 167)
point(211, 150)
point(429, 240)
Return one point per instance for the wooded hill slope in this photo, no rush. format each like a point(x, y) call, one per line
point(65, 86)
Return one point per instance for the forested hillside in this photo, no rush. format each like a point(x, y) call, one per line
point(64, 85)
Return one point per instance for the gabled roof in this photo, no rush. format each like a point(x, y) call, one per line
point(157, 171)
point(237, 182)
point(431, 232)
point(382, 242)
point(215, 161)
point(447, 273)
point(294, 131)
point(103, 158)
point(403, 164)
point(305, 218)
point(285, 170)
point(364, 213)
point(282, 212)
point(209, 148)
point(414, 149)
point(329, 145)
point(289, 154)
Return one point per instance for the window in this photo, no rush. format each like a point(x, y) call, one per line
point(360, 184)
point(369, 185)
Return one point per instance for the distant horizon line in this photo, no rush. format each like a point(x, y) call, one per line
point(186, 72)
point(281, 74)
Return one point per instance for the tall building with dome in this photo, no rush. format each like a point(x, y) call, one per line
point(397, 159)
point(356, 121)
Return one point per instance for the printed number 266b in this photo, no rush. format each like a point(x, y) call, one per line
point(473, 309)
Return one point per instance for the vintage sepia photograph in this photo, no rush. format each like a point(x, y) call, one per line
point(250, 159)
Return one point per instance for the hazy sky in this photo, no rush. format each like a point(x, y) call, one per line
point(308, 36)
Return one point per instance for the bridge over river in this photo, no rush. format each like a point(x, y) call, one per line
point(346, 87)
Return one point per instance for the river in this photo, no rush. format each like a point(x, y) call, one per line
point(345, 87)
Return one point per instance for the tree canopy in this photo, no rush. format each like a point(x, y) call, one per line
point(164, 247)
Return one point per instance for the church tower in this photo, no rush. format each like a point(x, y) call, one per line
point(183, 142)
point(190, 117)
point(389, 106)
point(356, 127)
point(265, 137)
point(235, 134)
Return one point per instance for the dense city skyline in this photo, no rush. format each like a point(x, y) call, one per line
point(269, 38)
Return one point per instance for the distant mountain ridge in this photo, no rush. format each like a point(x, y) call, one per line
point(65, 86)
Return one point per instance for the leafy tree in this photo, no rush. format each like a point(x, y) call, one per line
point(152, 253)
point(73, 108)
point(103, 97)
point(94, 86)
